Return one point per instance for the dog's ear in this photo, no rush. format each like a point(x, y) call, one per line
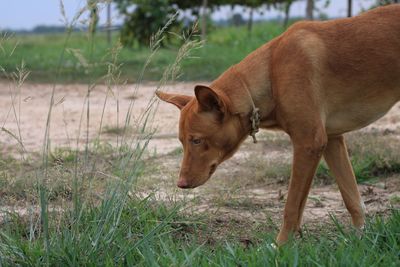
point(208, 99)
point(178, 100)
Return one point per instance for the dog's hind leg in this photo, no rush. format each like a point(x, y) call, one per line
point(308, 146)
point(337, 158)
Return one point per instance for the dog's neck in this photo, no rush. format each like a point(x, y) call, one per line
point(247, 87)
point(254, 115)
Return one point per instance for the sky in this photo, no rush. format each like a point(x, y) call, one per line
point(26, 14)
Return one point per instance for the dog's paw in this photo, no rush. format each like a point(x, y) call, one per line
point(359, 231)
point(270, 246)
point(273, 246)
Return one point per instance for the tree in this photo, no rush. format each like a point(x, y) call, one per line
point(146, 18)
point(200, 10)
point(286, 10)
point(349, 7)
point(254, 5)
point(237, 20)
point(383, 3)
point(387, 2)
point(204, 20)
point(109, 23)
point(310, 9)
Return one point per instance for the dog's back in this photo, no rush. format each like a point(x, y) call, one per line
point(366, 47)
point(353, 66)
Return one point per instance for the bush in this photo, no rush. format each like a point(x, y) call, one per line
point(146, 19)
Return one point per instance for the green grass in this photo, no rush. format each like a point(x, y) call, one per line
point(149, 233)
point(117, 227)
point(224, 47)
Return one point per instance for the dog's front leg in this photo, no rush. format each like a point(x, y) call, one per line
point(337, 158)
point(307, 154)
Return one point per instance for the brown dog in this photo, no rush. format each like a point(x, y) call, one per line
point(316, 81)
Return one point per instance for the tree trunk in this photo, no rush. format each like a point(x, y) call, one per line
point(204, 20)
point(250, 21)
point(109, 24)
point(310, 9)
point(287, 11)
point(349, 7)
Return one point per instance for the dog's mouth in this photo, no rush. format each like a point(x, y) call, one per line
point(212, 169)
point(183, 183)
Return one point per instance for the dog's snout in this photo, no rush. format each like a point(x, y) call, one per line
point(182, 183)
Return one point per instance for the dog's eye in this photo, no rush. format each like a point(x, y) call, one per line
point(196, 141)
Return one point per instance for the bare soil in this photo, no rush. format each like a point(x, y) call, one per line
point(24, 113)
point(240, 189)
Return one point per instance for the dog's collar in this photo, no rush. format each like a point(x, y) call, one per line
point(255, 123)
point(255, 114)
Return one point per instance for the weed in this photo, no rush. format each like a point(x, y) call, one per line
point(371, 157)
point(394, 200)
point(117, 130)
point(323, 175)
point(176, 152)
point(63, 155)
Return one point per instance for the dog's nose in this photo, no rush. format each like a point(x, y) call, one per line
point(182, 183)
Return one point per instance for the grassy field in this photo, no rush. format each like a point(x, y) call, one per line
point(107, 221)
point(105, 205)
point(41, 53)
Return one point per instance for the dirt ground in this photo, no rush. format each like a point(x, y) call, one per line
point(24, 112)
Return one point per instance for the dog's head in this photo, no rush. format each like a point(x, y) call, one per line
point(208, 131)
